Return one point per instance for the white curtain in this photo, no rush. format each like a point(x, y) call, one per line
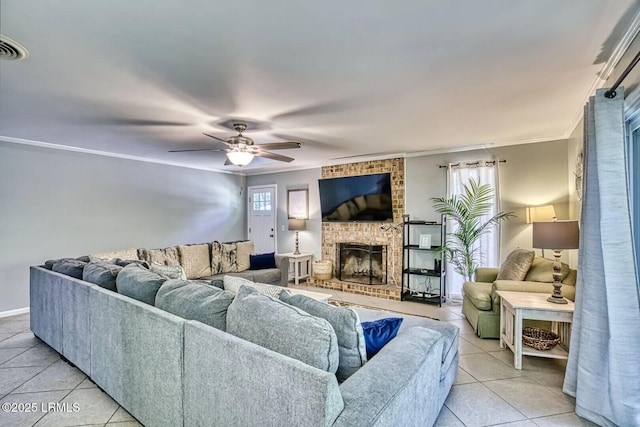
point(488, 246)
point(603, 370)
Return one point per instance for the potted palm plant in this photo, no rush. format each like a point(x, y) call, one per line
point(467, 211)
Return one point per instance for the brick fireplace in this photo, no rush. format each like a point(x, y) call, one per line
point(367, 233)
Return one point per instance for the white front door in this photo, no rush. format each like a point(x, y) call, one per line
point(262, 218)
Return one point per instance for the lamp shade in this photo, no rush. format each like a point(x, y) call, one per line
point(540, 213)
point(297, 225)
point(240, 158)
point(556, 235)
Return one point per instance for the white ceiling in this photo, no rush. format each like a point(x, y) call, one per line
point(346, 78)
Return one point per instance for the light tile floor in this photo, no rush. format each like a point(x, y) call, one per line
point(487, 390)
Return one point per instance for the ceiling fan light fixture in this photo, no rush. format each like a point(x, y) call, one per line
point(240, 158)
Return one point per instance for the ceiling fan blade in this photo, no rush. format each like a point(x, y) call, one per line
point(274, 156)
point(199, 149)
point(279, 145)
point(219, 139)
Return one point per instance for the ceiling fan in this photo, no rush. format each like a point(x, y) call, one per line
point(241, 150)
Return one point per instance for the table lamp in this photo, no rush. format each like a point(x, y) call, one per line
point(297, 225)
point(556, 235)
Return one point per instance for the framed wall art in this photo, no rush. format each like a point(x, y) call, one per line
point(298, 204)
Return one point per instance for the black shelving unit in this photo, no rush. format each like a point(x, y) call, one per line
point(423, 266)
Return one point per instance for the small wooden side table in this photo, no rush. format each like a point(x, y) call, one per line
point(516, 306)
point(301, 265)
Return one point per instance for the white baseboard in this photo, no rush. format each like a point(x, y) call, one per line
point(14, 312)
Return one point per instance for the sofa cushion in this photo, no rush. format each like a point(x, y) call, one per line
point(516, 265)
point(244, 250)
point(267, 275)
point(48, 264)
point(125, 262)
point(283, 328)
point(193, 300)
point(122, 254)
point(541, 270)
point(70, 267)
point(479, 293)
point(234, 283)
point(102, 273)
point(346, 324)
point(166, 256)
point(168, 271)
point(228, 259)
point(138, 283)
point(378, 333)
point(196, 260)
point(263, 261)
point(449, 332)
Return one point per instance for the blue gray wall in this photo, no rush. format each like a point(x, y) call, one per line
point(535, 174)
point(310, 239)
point(56, 203)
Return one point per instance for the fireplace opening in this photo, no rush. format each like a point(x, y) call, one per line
point(362, 263)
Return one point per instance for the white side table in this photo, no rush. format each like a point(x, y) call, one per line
point(516, 306)
point(301, 265)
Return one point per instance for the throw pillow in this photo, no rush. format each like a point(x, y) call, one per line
point(229, 258)
point(169, 271)
point(262, 261)
point(345, 322)
point(243, 252)
point(283, 328)
point(216, 258)
point(123, 254)
point(379, 332)
point(516, 265)
point(70, 267)
point(137, 282)
point(541, 270)
point(102, 273)
point(195, 260)
point(233, 284)
point(166, 256)
point(194, 300)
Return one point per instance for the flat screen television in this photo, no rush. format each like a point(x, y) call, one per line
point(362, 198)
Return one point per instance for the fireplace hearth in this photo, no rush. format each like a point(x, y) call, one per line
point(362, 263)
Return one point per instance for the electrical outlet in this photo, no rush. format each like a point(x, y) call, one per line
point(283, 228)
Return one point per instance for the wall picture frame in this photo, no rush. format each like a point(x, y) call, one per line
point(425, 241)
point(298, 203)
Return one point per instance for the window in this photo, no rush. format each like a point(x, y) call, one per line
point(262, 201)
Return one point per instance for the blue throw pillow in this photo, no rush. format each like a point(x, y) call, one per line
point(379, 332)
point(262, 261)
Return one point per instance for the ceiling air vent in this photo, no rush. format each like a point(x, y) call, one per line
point(12, 50)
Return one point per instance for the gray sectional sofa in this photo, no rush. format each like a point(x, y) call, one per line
point(167, 370)
point(207, 261)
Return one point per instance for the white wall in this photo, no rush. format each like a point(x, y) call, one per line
point(310, 239)
point(534, 174)
point(56, 203)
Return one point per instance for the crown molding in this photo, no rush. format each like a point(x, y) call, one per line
point(607, 69)
point(52, 146)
